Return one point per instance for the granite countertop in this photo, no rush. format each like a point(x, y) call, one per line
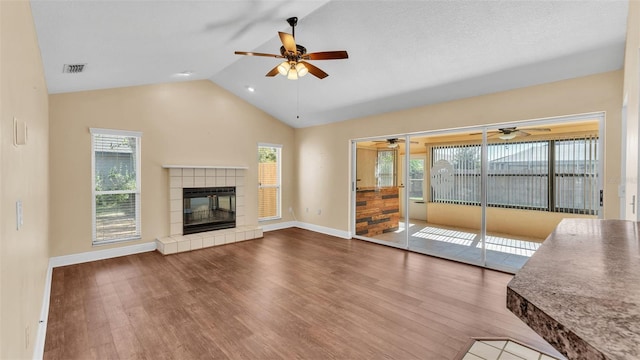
point(581, 290)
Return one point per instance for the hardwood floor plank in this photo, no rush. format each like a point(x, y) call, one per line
point(294, 294)
point(127, 344)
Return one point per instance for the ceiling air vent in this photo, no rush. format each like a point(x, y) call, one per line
point(73, 68)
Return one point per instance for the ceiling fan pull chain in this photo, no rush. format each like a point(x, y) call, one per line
point(298, 101)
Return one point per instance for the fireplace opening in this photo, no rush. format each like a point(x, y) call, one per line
point(207, 209)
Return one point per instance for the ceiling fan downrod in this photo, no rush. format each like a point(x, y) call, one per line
point(293, 21)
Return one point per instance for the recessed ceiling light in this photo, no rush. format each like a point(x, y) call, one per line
point(185, 73)
point(250, 89)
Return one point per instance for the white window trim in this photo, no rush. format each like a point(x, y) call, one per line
point(115, 132)
point(278, 186)
point(137, 192)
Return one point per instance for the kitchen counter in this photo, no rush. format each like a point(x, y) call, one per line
point(581, 290)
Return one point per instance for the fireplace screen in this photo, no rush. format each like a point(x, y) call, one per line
point(207, 209)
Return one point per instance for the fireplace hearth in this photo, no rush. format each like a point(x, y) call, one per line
point(208, 208)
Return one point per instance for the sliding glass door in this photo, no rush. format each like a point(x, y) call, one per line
point(446, 220)
point(536, 176)
point(487, 196)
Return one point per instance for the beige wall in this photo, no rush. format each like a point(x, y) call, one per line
point(187, 123)
point(632, 94)
point(24, 175)
point(536, 225)
point(323, 165)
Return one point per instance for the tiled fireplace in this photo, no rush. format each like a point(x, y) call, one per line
point(181, 177)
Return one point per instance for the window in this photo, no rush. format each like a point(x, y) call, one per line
point(269, 173)
point(386, 168)
point(116, 185)
point(416, 179)
point(550, 175)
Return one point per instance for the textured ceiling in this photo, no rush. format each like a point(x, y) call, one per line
point(401, 53)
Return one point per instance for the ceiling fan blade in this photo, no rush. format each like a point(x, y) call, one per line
point(273, 71)
point(288, 42)
point(314, 70)
point(250, 53)
point(538, 129)
point(522, 133)
point(488, 132)
point(327, 55)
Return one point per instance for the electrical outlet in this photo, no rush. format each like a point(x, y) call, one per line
point(307, 209)
point(290, 209)
point(319, 211)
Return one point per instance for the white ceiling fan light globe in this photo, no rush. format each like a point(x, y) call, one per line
point(508, 136)
point(283, 68)
point(301, 69)
point(293, 74)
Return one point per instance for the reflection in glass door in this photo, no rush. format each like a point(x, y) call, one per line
point(377, 191)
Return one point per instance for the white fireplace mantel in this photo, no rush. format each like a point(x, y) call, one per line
point(204, 167)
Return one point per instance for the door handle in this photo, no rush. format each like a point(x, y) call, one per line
point(633, 204)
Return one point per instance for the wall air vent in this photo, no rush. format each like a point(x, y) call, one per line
point(73, 68)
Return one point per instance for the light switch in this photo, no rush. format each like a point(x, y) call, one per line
point(19, 132)
point(18, 214)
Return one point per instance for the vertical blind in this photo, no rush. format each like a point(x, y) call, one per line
point(576, 175)
point(551, 175)
point(116, 185)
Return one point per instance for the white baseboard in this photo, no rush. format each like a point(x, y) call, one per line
point(278, 226)
point(38, 351)
point(324, 230)
point(72, 259)
point(307, 226)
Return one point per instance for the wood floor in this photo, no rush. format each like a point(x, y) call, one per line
point(292, 294)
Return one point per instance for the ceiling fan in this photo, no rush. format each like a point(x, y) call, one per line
point(511, 132)
point(393, 142)
point(295, 55)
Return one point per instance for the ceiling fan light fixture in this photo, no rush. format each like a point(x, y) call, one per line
point(293, 53)
point(508, 136)
point(283, 68)
point(301, 69)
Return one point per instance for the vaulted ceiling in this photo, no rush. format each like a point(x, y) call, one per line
point(402, 53)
